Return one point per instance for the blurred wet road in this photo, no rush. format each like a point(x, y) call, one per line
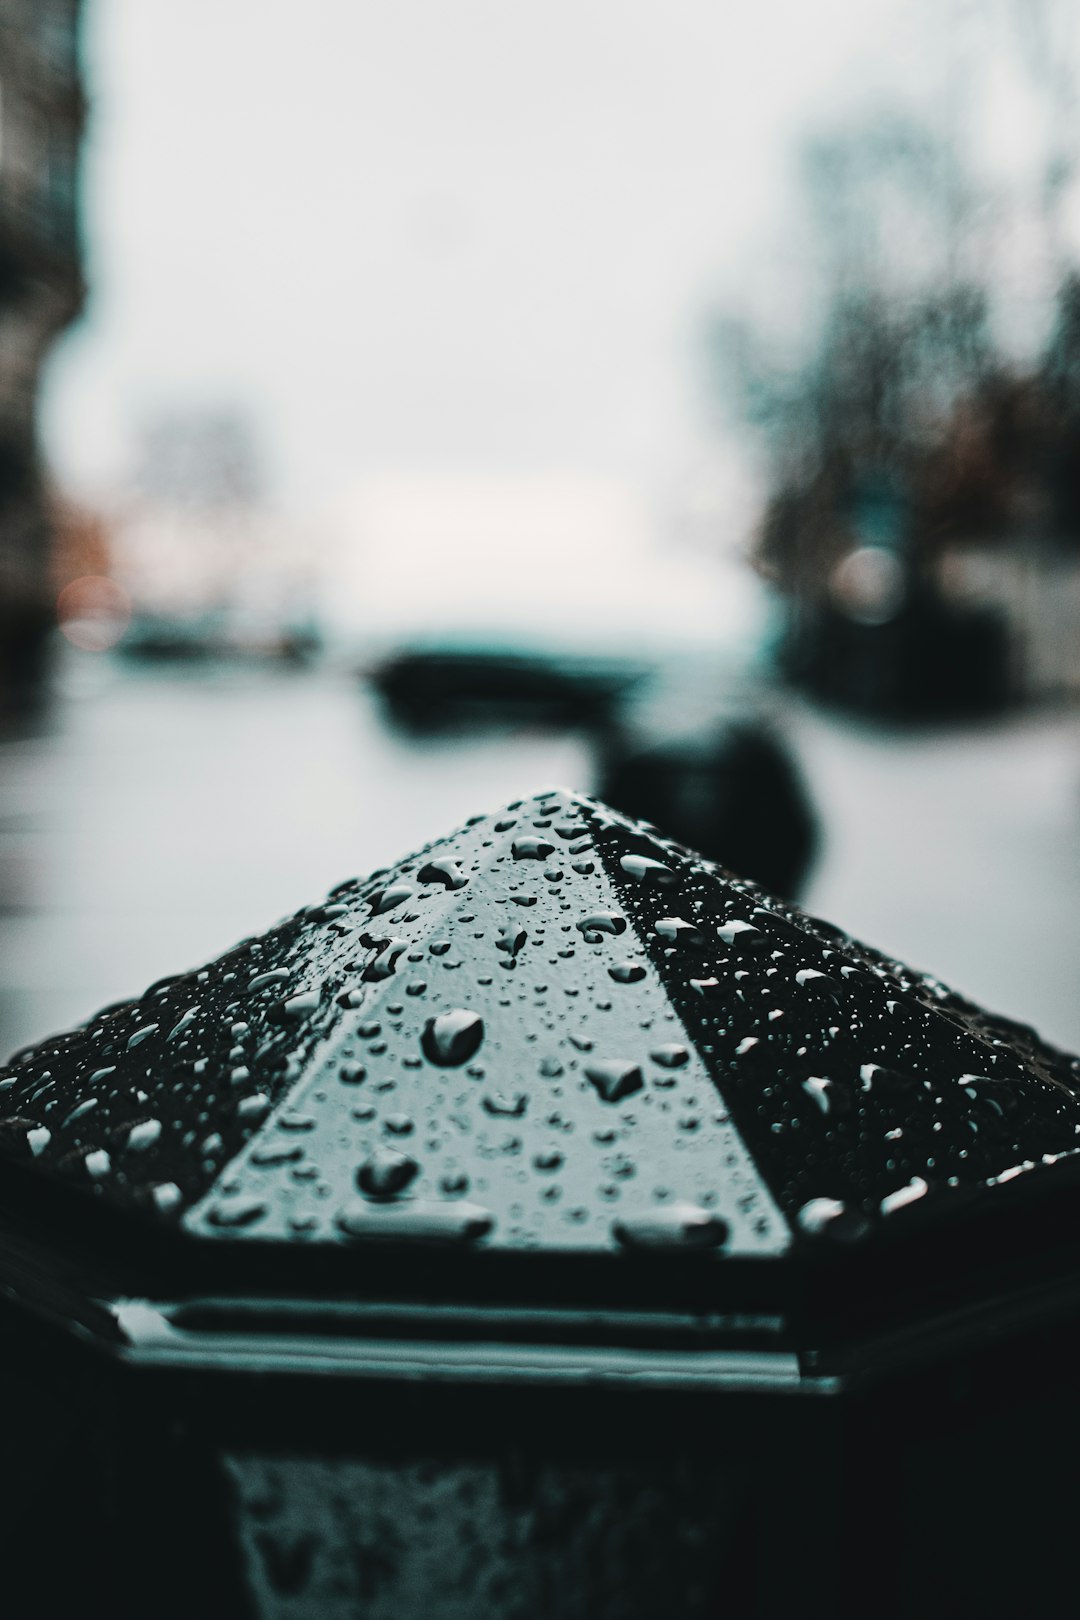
point(163, 813)
point(172, 811)
point(958, 851)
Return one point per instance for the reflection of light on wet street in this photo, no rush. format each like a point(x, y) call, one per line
point(165, 813)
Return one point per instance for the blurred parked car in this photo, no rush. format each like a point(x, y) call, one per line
point(442, 685)
point(217, 635)
point(931, 661)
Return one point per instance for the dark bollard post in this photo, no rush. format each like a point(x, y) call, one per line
point(723, 781)
point(552, 1226)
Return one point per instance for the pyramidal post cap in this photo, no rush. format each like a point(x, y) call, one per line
point(551, 1031)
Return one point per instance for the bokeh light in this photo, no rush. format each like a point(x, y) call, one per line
point(93, 613)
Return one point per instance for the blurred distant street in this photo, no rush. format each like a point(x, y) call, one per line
point(486, 403)
point(160, 814)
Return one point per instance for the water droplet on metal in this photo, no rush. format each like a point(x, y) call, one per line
point(386, 899)
point(385, 960)
point(670, 1056)
point(183, 1023)
point(627, 972)
point(386, 1173)
point(452, 1037)
point(531, 849)
point(418, 1222)
point(644, 869)
point(614, 1079)
point(143, 1135)
point(599, 923)
point(830, 1097)
point(296, 1122)
point(885, 1082)
point(80, 1110)
point(254, 1107)
point(673, 1226)
point(399, 1124)
point(270, 1153)
point(677, 931)
point(509, 1107)
point(327, 913)
point(915, 1189)
point(239, 1210)
point(300, 1006)
point(273, 976)
point(740, 933)
point(444, 871)
point(550, 1159)
point(833, 1219)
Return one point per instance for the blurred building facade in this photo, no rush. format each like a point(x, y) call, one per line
point(42, 115)
point(931, 561)
point(921, 519)
point(205, 562)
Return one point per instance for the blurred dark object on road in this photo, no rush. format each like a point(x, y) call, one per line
point(933, 661)
point(727, 787)
point(214, 638)
point(445, 687)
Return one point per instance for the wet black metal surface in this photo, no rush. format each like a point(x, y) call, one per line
point(553, 1224)
point(552, 1029)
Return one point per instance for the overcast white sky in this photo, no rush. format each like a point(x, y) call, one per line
point(433, 236)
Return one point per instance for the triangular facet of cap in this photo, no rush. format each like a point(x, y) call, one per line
point(551, 1030)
